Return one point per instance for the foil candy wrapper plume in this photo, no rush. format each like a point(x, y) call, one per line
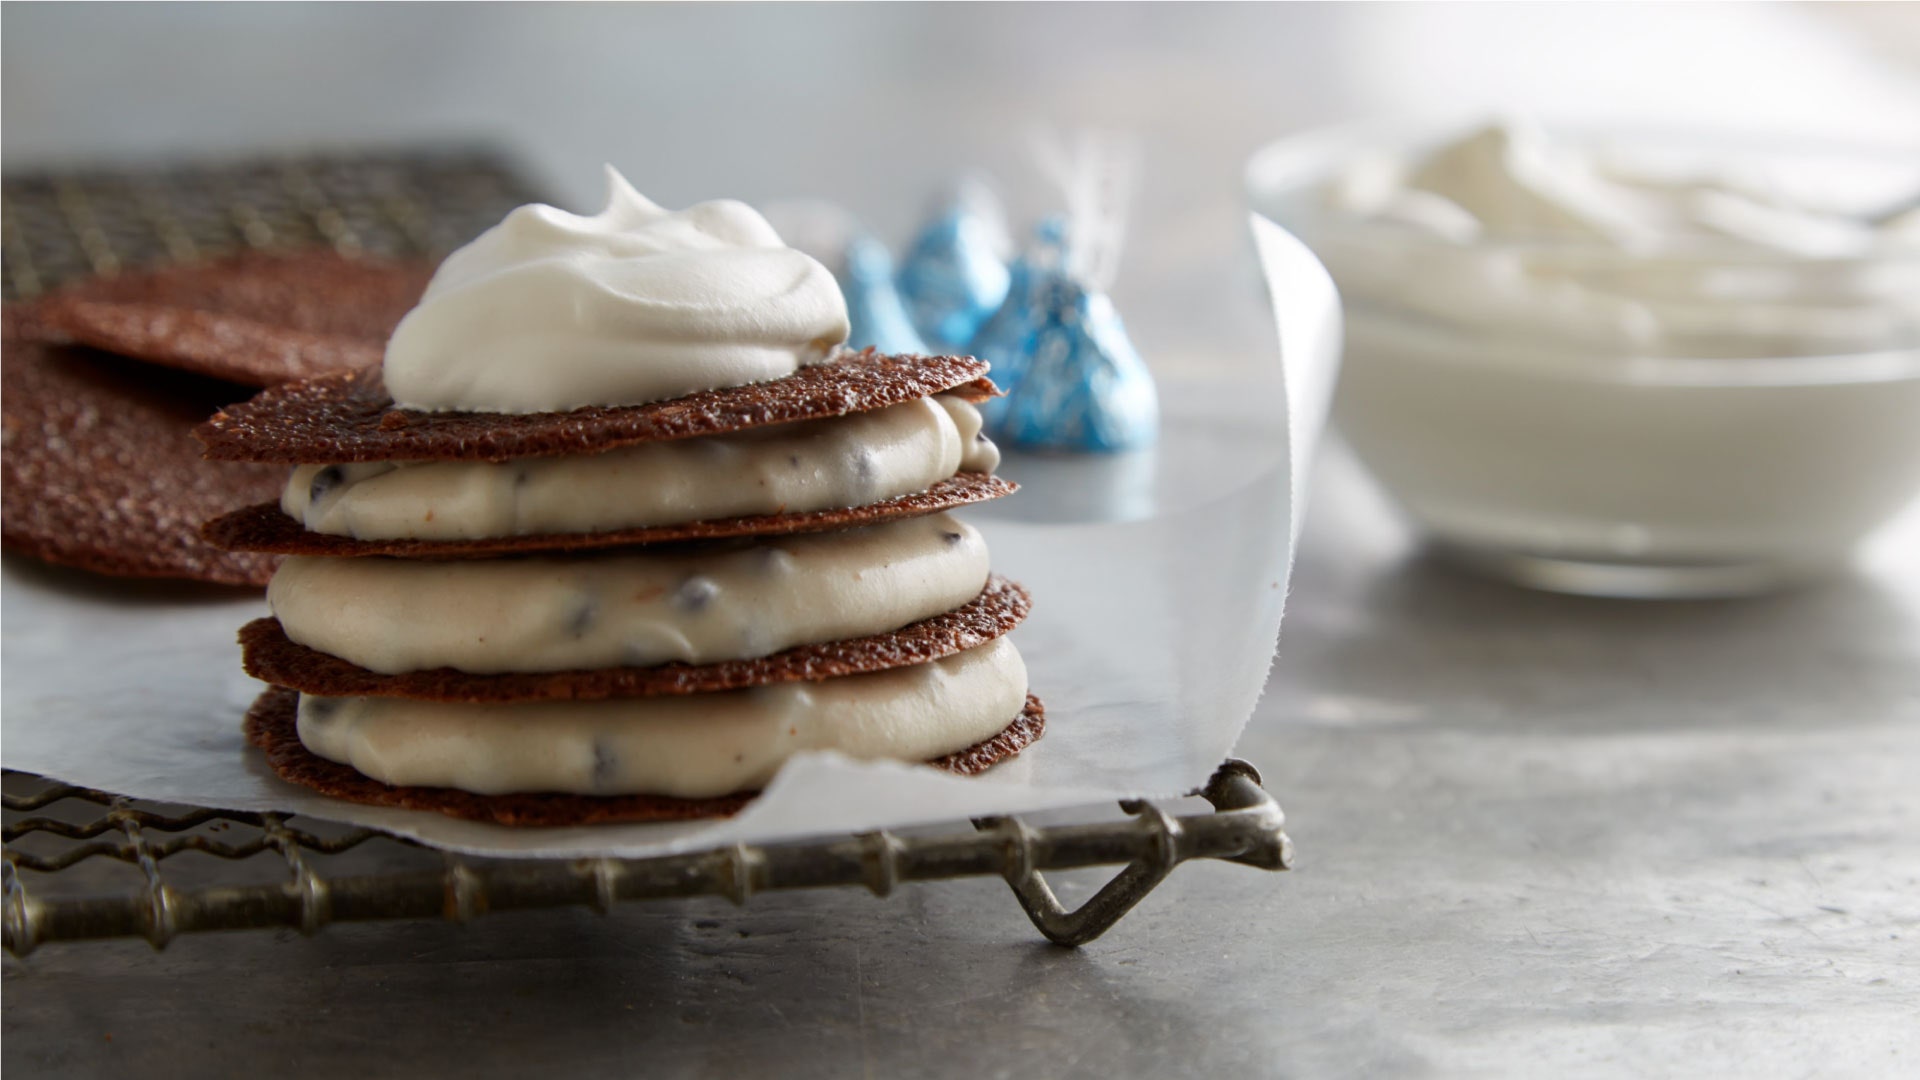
point(954, 277)
point(1072, 377)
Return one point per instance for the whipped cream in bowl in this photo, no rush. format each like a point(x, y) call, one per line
point(549, 311)
point(1620, 362)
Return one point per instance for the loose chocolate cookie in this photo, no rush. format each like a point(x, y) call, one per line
point(270, 656)
point(254, 319)
point(100, 469)
point(266, 528)
point(272, 726)
point(343, 418)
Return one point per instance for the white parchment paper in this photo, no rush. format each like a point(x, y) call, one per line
point(1158, 583)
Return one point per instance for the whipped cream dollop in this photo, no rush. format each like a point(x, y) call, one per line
point(1611, 249)
point(549, 311)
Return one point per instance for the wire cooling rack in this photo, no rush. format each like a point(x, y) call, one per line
point(57, 227)
point(280, 874)
point(68, 850)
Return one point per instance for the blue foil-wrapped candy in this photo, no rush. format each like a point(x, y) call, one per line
point(1004, 338)
point(874, 310)
point(1084, 387)
point(954, 277)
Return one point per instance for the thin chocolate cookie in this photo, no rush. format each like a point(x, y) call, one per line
point(255, 319)
point(270, 656)
point(101, 471)
point(265, 527)
point(343, 418)
point(272, 725)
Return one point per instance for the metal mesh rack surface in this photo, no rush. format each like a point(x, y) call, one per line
point(56, 227)
point(228, 870)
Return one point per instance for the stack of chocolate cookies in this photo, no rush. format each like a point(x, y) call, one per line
point(626, 612)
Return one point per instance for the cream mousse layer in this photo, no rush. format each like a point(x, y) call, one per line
point(727, 602)
point(694, 746)
point(851, 460)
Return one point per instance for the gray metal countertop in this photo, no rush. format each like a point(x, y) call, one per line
point(1537, 835)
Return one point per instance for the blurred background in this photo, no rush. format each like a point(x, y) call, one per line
point(881, 108)
point(878, 106)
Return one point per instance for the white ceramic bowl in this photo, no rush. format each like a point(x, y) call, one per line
point(1536, 433)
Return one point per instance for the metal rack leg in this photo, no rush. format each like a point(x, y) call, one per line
point(1235, 786)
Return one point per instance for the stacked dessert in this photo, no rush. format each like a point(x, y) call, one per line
point(617, 528)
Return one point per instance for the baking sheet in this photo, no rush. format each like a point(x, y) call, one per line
point(1158, 582)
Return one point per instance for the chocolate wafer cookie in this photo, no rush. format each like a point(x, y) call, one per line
point(255, 319)
point(101, 470)
point(272, 726)
point(344, 418)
